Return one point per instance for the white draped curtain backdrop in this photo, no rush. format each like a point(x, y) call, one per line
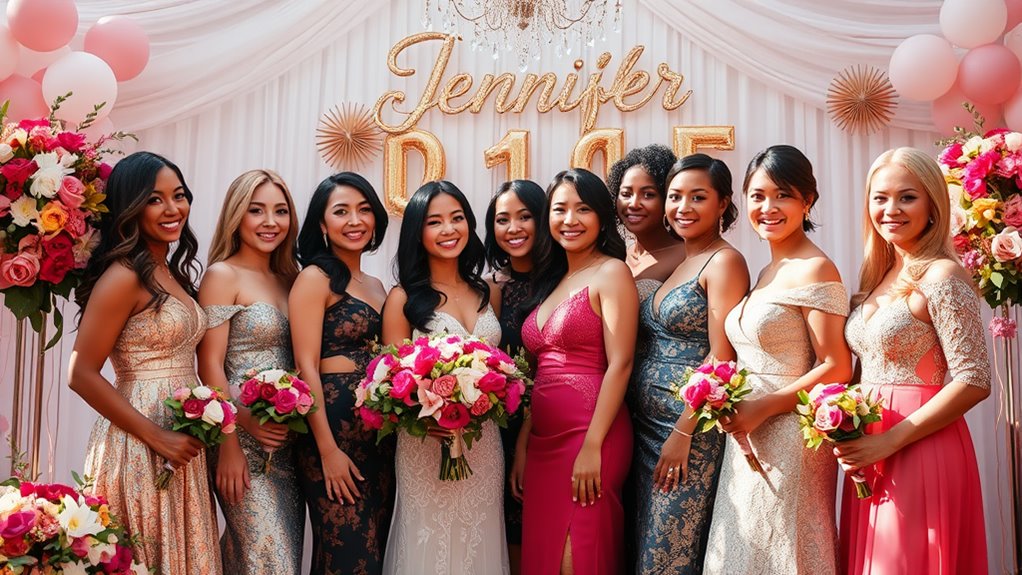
point(238, 85)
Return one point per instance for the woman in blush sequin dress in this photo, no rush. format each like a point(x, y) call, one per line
point(244, 293)
point(916, 319)
point(138, 310)
point(579, 433)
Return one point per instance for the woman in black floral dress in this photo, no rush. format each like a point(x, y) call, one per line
point(510, 235)
point(347, 479)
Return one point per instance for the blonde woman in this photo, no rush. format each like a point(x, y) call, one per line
point(252, 265)
point(915, 320)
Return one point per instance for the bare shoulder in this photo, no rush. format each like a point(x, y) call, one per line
point(220, 279)
point(729, 260)
point(118, 276)
point(374, 282)
point(613, 270)
point(815, 269)
point(310, 278)
point(119, 288)
point(397, 296)
point(944, 269)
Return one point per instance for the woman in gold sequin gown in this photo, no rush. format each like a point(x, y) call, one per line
point(789, 334)
point(138, 310)
point(244, 292)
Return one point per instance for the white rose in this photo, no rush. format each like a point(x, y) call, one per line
point(971, 147)
point(1007, 245)
point(6, 153)
point(1013, 141)
point(954, 193)
point(382, 369)
point(23, 211)
point(45, 183)
point(213, 414)
point(202, 392)
point(467, 378)
point(273, 376)
point(76, 568)
point(409, 360)
point(987, 144)
point(10, 502)
point(101, 553)
point(958, 218)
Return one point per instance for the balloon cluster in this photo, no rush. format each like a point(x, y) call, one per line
point(985, 70)
point(37, 65)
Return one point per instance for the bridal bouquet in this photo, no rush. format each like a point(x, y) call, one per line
point(447, 382)
point(278, 395)
point(837, 412)
point(54, 528)
point(202, 412)
point(712, 390)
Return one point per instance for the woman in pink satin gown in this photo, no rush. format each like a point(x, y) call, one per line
point(915, 319)
point(579, 434)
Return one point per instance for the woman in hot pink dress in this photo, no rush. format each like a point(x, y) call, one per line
point(915, 320)
point(579, 434)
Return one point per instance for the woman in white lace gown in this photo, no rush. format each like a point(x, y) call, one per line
point(444, 527)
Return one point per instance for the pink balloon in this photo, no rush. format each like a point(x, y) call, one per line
point(97, 130)
point(989, 74)
point(32, 61)
point(923, 67)
point(971, 23)
point(1014, 13)
point(10, 52)
point(947, 112)
point(26, 98)
point(1013, 112)
point(121, 43)
point(90, 81)
point(42, 25)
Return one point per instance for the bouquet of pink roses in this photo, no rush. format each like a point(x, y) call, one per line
point(278, 395)
point(203, 413)
point(712, 390)
point(446, 381)
point(53, 528)
point(837, 412)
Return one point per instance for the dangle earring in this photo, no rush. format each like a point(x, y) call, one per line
point(720, 227)
point(326, 241)
point(667, 223)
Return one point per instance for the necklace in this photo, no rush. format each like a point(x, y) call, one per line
point(359, 278)
point(637, 256)
point(585, 267)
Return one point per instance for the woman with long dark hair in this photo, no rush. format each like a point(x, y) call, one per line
point(347, 478)
point(582, 333)
point(453, 527)
point(138, 310)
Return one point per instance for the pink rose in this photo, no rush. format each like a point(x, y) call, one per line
point(371, 418)
point(1007, 245)
point(267, 391)
point(821, 393)
point(80, 546)
point(71, 192)
point(230, 417)
point(71, 141)
point(514, 396)
point(491, 382)
point(481, 406)
point(32, 244)
point(193, 408)
point(444, 385)
point(18, 524)
point(285, 401)
point(305, 403)
point(828, 418)
point(1012, 215)
point(695, 392)
point(718, 395)
point(249, 392)
point(300, 385)
point(402, 384)
point(454, 416)
point(5, 205)
point(20, 270)
point(424, 362)
point(182, 393)
point(705, 368)
point(725, 371)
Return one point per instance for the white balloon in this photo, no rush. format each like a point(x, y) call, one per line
point(10, 53)
point(90, 81)
point(923, 67)
point(971, 23)
point(31, 61)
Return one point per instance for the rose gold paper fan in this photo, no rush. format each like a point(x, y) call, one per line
point(347, 136)
point(861, 99)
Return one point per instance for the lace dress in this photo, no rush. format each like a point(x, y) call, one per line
point(153, 356)
point(348, 539)
point(261, 535)
point(786, 524)
point(926, 512)
point(449, 527)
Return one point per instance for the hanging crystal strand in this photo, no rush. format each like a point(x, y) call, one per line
point(617, 17)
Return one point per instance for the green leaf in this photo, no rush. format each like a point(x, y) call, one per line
point(298, 425)
point(997, 279)
point(58, 328)
point(24, 301)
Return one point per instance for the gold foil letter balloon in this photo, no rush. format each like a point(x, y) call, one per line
point(688, 139)
point(513, 150)
point(610, 141)
point(395, 163)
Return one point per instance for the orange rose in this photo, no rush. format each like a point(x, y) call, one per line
point(53, 217)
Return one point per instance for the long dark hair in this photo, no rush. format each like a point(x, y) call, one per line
point(531, 195)
point(412, 259)
point(720, 179)
point(790, 170)
point(551, 259)
point(127, 194)
point(314, 251)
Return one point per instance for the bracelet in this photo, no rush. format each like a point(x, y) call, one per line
point(680, 432)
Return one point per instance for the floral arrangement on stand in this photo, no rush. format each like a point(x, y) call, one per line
point(55, 528)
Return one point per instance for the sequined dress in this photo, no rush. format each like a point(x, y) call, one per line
point(261, 534)
point(450, 527)
point(671, 528)
point(153, 356)
point(785, 525)
point(348, 539)
point(926, 512)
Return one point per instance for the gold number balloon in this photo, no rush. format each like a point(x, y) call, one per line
point(512, 150)
point(395, 162)
point(688, 139)
point(610, 141)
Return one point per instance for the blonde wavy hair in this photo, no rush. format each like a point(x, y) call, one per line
point(227, 239)
point(935, 243)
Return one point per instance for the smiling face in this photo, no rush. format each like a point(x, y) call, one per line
point(639, 204)
point(775, 213)
point(166, 210)
point(898, 206)
point(514, 226)
point(267, 219)
point(445, 231)
point(348, 221)
point(573, 223)
point(693, 206)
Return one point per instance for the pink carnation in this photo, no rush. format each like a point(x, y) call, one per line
point(718, 395)
point(973, 260)
point(444, 385)
point(71, 141)
point(481, 406)
point(1003, 327)
point(949, 157)
point(371, 418)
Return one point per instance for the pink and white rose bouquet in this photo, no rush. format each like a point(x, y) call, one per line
point(278, 395)
point(712, 391)
point(837, 412)
point(56, 528)
point(202, 412)
point(448, 382)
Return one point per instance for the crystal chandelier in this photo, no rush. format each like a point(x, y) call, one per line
point(523, 27)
